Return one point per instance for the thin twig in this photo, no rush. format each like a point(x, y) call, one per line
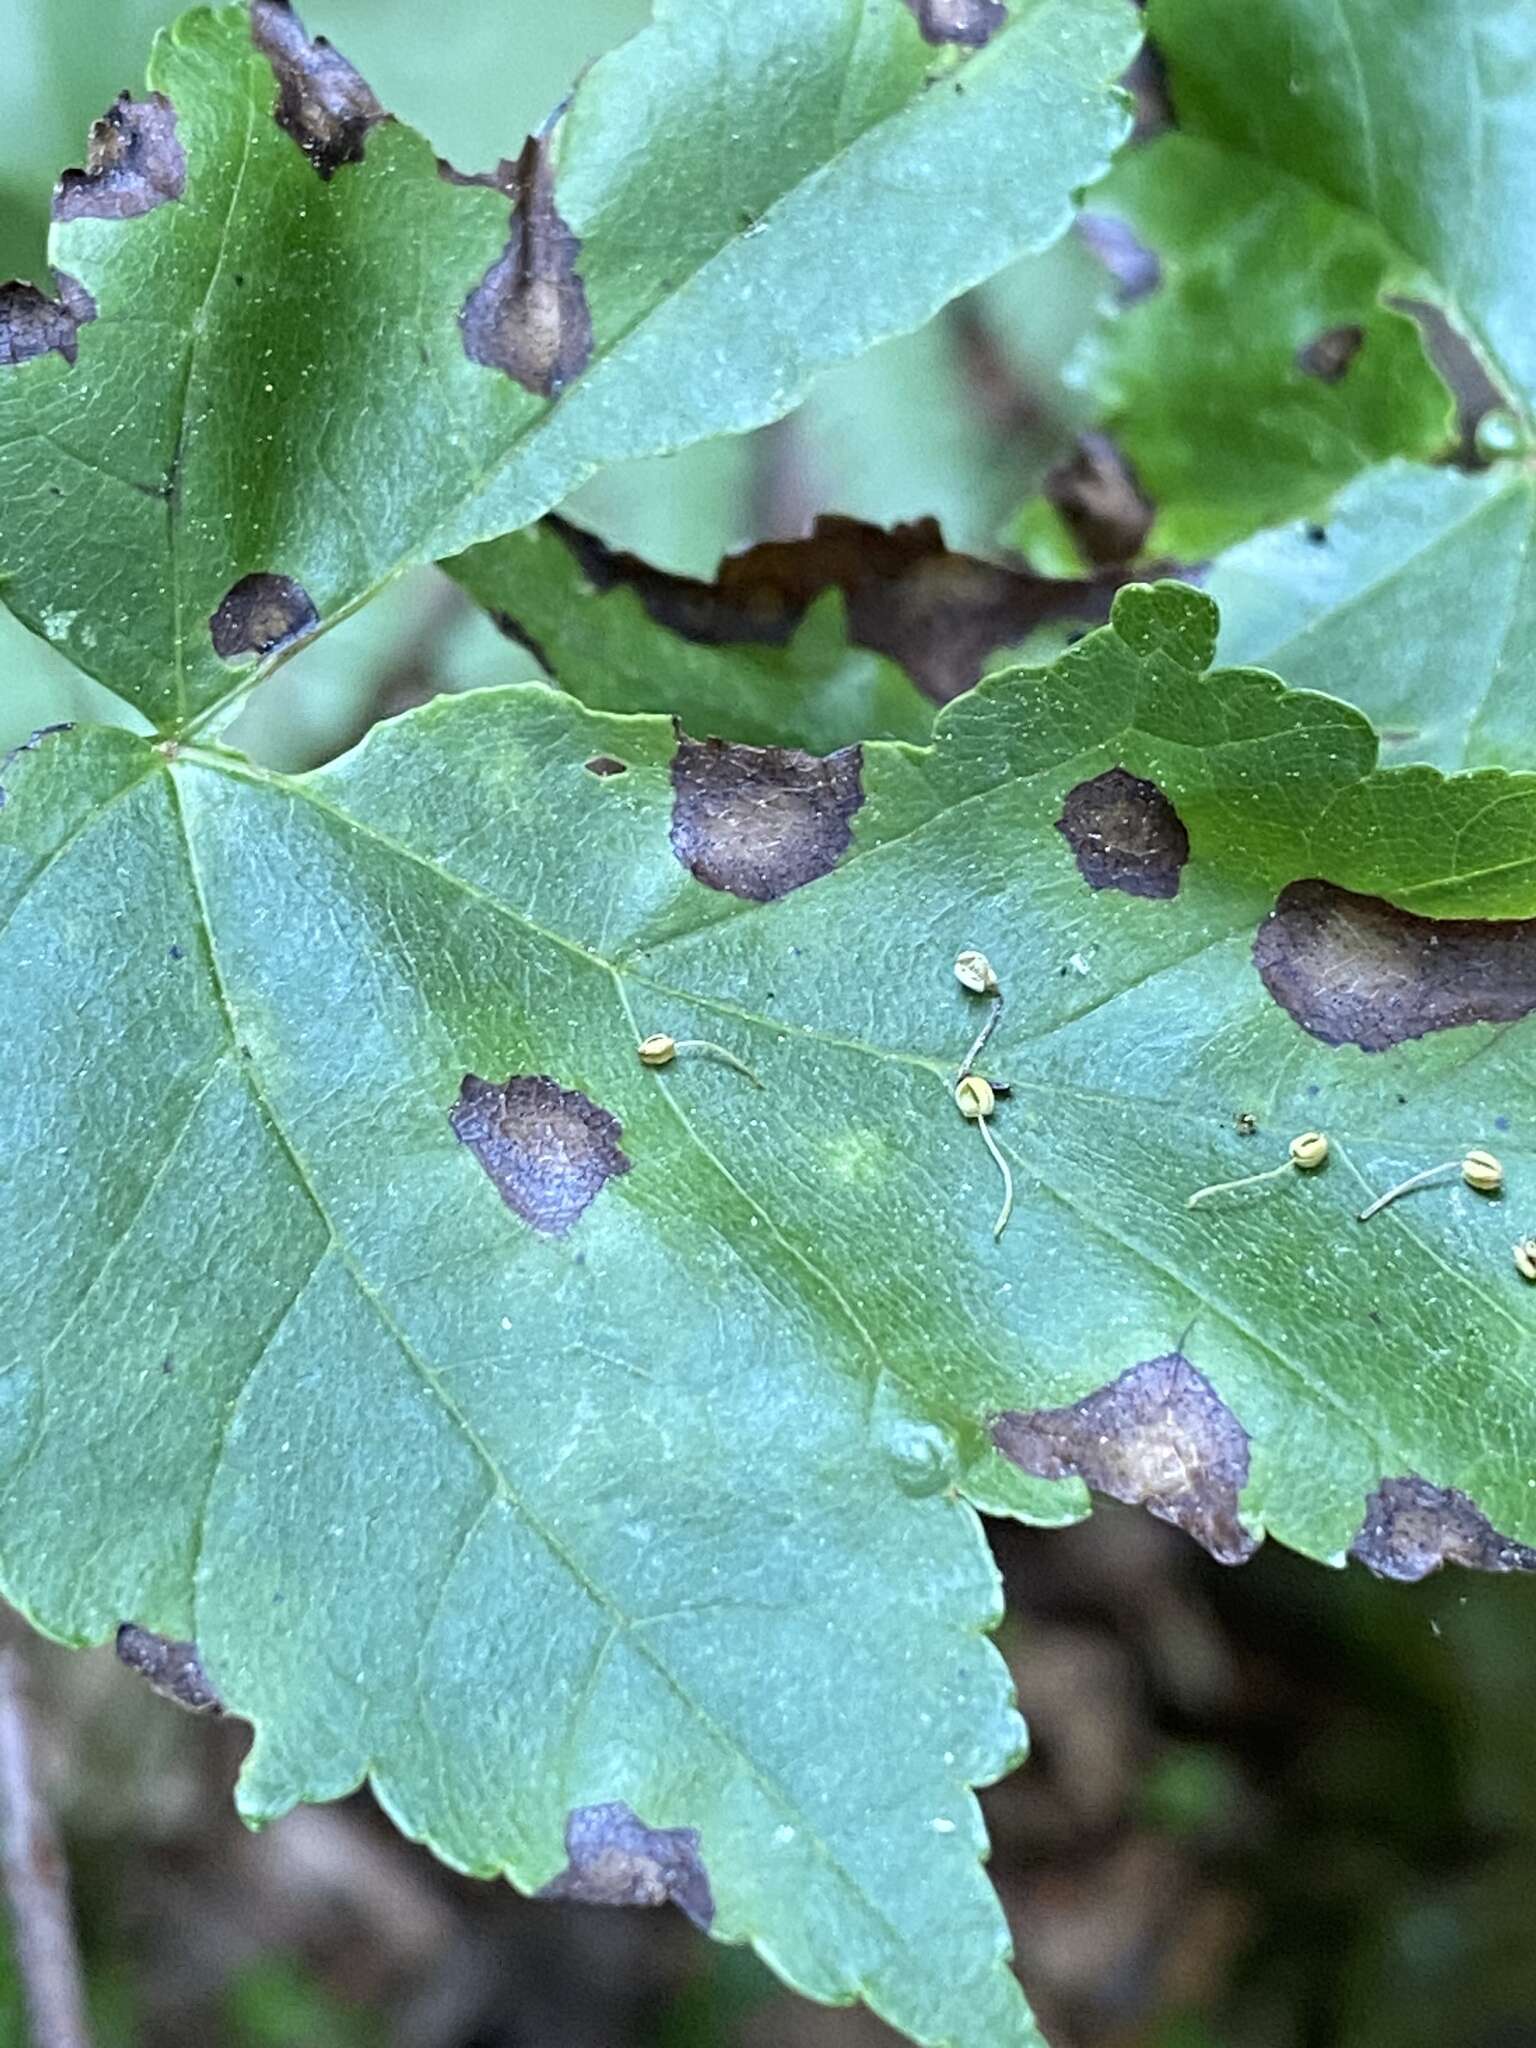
point(36, 1882)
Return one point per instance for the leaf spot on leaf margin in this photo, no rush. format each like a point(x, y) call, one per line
point(757, 822)
point(259, 614)
point(548, 1150)
point(1353, 970)
point(323, 102)
point(528, 315)
point(972, 22)
point(31, 323)
point(134, 162)
point(174, 1670)
point(1412, 1528)
point(1159, 1437)
point(616, 1860)
point(1125, 835)
point(1328, 358)
point(30, 745)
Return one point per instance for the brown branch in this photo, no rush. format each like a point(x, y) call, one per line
point(35, 1878)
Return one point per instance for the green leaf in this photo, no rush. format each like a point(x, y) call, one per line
point(623, 1467)
point(275, 383)
point(1416, 602)
point(816, 691)
point(1420, 116)
point(1263, 371)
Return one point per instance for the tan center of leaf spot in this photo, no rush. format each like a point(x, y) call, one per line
point(1125, 835)
point(528, 315)
point(1353, 970)
point(259, 614)
point(616, 1860)
point(1159, 1437)
point(549, 1150)
point(757, 822)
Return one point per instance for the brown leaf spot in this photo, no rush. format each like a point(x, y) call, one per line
point(134, 162)
point(31, 323)
point(1353, 970)
point(323, 102)
point(972, 22)
point(549, 1150)
point(1159, 1437)
point(937, 613)
point(616, 1860)
point(174, 1669)
point(259, 614)
point(605, 764)
point(1100, 497)
point(1412, 1528)
point(1136, 269)
point(1329, 357)
point(528, 315)
point(1125, 835)
point(760, 821)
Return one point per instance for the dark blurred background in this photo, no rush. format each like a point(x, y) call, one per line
point(1278, 1807)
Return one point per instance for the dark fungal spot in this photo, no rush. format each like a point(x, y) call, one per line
point(549, 1150)
point(760, 821)
point(605, 764)
point(323, 102)
point(134, 162)
point(1135, 268)
point(174, 1670)
point(1328, 357)
point(31, 323)
point(528, 315)
point(259, 614)
point(616, 1860)
point(1101, 501)
point(1159, 1437)
point(1125, 835)
point(972, 22)
point(1353, 970)
point(1412, 1528)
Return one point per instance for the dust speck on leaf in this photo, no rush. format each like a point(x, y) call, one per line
point(259, 614)
point(616, 1860)
point(1353, 970)
point(173, 1669)
point(1412, 1528)
point(31, 323)
point(1160, 1437)
point(528, 315)
point(323, 102)
point(548, 1150)
point(972, 22)
point(760, 821)
point(1328, 357)
point(605, 764)
point(134, 163)
point(1100, 497)
point(1125, 835)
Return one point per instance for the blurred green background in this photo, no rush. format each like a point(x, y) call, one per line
point(1275, 1808)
